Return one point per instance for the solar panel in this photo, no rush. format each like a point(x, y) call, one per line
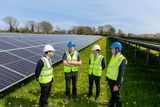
point(5, 45)
point(35, 50)
point(14, 42)
point(22, 66)
point(19, 53)
point(7, 77)
point(34, 58)
point(7, 58)
point(22, 53)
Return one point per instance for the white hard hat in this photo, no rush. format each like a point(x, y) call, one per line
point(96, 47)
point(48, 48)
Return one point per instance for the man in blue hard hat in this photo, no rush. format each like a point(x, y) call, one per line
point(71, 61)
point(115, 73)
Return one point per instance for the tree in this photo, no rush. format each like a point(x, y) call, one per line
point(100, 30)
point(106, 30)
point(24, 30)
point(31, 25)
point(73, 30)
point(59, 30)
point(130, 34)
point(11, 22)
point(121, 33)
point(82, 30)
point(45, 27)
point(37, 27)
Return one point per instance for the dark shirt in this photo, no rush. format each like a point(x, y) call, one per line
point(39, 67)
point(103, 64)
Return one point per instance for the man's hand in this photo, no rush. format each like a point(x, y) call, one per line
point(67, 63)
point(115, 88)
point(76, 63)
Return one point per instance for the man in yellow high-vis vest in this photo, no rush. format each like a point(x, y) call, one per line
point(96, 66)
point(44, 74)
point(115, 73)
point(71, 61)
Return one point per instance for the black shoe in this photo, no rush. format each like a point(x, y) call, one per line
point(50, 105)
point(97, 99)
point(75, 98)
point(109, 105)
point(89, 95)
point(66, 100)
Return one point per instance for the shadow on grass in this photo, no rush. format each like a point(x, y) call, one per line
point(35, 92)
point(20, 102)
point(83, 101)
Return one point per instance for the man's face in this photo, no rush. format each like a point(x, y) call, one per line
point(113, 51)
point(71, 49)
point(51, 53)
point(95, 52)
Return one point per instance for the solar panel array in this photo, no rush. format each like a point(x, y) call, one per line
point(19, 53)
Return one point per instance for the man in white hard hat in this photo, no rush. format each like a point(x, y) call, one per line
point(96, 66)
point(44, 74)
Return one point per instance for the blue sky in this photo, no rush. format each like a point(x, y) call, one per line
point(134, 16)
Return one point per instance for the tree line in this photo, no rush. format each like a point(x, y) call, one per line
point(47, 28)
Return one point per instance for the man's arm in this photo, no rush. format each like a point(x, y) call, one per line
point(65, 61)
point(121, 72)
point(78, 62)
point(38, 70)
point(103, 64)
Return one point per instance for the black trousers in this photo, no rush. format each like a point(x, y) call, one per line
point(115, 95)
point(93, 78)
point(45, 92)
point(68, 77)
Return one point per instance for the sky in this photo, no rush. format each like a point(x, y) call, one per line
point(131, 16)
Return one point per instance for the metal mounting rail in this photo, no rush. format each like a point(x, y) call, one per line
point(144, 44)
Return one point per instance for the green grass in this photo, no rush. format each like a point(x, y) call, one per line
point(141, 85)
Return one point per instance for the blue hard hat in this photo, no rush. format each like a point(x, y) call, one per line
point(71, 44)
point(116, 45)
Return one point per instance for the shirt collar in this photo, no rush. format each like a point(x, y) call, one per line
point(117, 54)
point(47, 56)
point(96, 55)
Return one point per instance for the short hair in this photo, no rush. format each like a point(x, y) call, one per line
point(119, 50)
point(46, 52)
point(98, 50)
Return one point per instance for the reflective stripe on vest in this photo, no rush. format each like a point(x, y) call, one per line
point(70, 58)
point(46, 74)
point(113, 67)
point(95, 66)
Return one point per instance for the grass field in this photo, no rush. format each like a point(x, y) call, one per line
point(141, 85)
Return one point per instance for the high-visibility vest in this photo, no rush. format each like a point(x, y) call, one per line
point(113, 67)
point(70, 58)
point(46, 74)
point(95, 66)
